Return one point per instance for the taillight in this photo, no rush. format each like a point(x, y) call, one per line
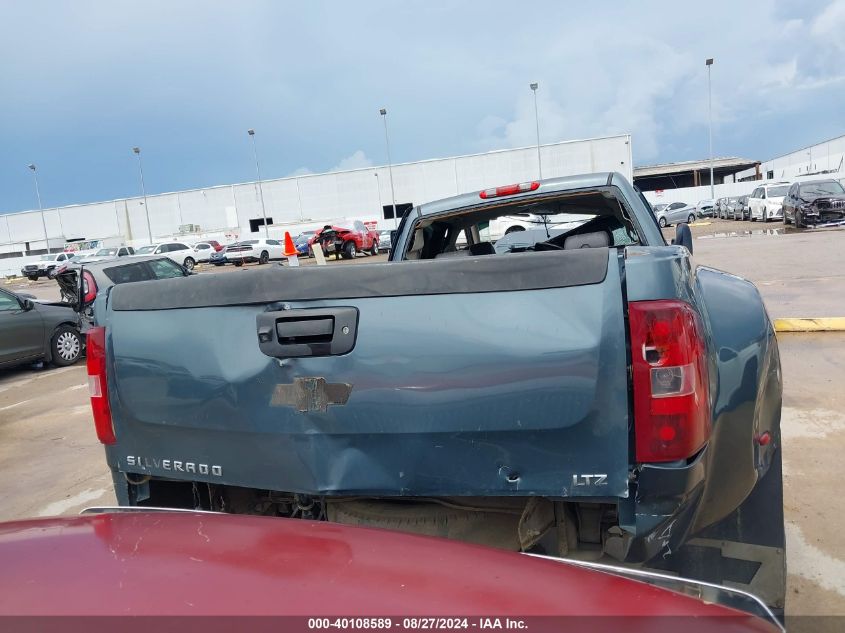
point(671, 388)
point(509, 190)
point(89, 288)
point(98, 387)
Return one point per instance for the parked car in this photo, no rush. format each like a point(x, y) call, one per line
point(675, 213)
point(814, 202)
point(44, 266)
point(230, 567)
point(179, 252)
point(347, 243)
point(215, 244)
point(705, 208)
point(257, 250)
point(741, 208)
point(99, 276)
point(106, 253)
point(384, 240)
point(302, 242)
point(204, 251)
point(734, 208)
point(766, 201)
point(218, 258)
point(629, 406)
point(31, 331)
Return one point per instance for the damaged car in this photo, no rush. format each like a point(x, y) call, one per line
point(815, 202)
point(583, 391)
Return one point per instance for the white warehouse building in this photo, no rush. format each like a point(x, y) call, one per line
point(229, 212)
point(827, 157)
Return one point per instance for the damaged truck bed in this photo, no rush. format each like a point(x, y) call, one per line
point(586, 391)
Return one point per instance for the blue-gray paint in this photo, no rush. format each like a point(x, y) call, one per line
point(460, 394)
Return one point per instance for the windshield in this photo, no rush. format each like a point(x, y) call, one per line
point(777, 192)
point(106, 251)
point(818, 189)
point(145, 250)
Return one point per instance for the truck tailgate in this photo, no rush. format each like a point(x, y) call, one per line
point(496, 375)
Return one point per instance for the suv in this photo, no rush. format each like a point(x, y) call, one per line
point(258, 250)
point(179, 252)
point(45, 265)
point(107, 253)
point(814, 202)
point(347, 243)
point(766, 201)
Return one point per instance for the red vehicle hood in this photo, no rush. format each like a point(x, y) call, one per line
point(184, 563)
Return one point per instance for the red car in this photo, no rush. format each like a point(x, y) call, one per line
point(346, 243)
point(328, 576)
point(216, 245)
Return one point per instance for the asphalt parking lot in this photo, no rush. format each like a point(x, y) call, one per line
point(52, 464)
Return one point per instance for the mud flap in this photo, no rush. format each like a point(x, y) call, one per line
point(746, 549)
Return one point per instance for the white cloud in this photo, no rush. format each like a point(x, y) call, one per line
point(653, 83)
point(301, 171)
point(830, 24)
point(357, 160)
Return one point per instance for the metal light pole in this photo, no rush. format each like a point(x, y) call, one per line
point(534, 87)
point(137, 151)
point(383, 113)
point(378, 190)
point(32, 167)
point(251, 133)
point(709, 62)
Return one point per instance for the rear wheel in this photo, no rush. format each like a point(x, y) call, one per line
point(349, 250)
point(239, 263)
point(66, 346)
point(662, 223)
point(189, 263)
point(264, 257)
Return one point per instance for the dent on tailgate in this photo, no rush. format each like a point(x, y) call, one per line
point(457, 392)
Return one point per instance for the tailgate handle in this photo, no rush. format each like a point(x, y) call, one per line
point(307, 332)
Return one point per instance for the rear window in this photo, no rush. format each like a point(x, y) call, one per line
point(128, 273)
point(144, 271)
point(165, 269)
point(577, 219)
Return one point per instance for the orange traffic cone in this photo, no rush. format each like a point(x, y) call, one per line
point(290, 251)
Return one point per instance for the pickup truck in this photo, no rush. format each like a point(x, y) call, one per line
point(45, 265)
point(591, 395)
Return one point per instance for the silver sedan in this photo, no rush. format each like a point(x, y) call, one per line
point(674, 213)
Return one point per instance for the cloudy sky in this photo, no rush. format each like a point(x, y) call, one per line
point(82, 82)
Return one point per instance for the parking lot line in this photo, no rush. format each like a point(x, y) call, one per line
point(821, 324)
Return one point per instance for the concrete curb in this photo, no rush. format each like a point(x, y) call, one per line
point(822, 324)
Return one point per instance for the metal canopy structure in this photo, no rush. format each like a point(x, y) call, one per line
point(690, 173)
